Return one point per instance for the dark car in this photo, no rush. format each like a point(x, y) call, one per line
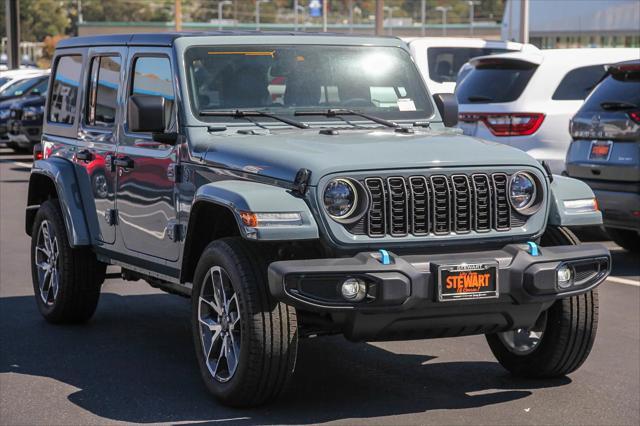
point(605, 152)
point(30, 87)
point(24, 127)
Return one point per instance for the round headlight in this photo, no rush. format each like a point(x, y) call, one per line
point(522, 191)
point(340, 198)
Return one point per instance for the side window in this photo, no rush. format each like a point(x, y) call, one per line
point(578, 83)
point(103, 91)
point(153, 76)
point(64, 94)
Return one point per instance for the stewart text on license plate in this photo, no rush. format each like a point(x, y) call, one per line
point(468, 281)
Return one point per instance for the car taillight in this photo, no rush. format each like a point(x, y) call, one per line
point(517, 124)
point(37, 152)
point(635, 116)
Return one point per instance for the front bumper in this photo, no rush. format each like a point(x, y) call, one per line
point(403, 301)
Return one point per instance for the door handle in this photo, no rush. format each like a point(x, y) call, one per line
point(125, 162)
point(84, 155)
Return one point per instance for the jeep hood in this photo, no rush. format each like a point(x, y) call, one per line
point(281, 153)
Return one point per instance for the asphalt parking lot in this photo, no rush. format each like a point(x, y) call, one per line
point(134, 362)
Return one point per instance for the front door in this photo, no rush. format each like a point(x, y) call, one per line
point(98, 134)
point(146, 198)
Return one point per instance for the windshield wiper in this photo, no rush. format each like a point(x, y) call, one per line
point(617, 105)
point(247, 114)
point(479, 98)
point(339, 112)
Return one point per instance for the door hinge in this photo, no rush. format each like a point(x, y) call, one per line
point(111, 216)
point(174, 231)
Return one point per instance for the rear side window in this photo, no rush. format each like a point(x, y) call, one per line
point(578, 83)
point(445, 62)
point(103, 91)
point(64, 93)
point(495, 82)
point(615, 93)
point(153, 76)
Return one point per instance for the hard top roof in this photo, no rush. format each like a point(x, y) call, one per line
point(167, 39)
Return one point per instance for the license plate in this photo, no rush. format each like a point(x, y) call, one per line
point(600, 150)
point(467, 281)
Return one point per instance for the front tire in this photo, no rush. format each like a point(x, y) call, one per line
point(561, 339)
point(66, 280)
point(245, 341)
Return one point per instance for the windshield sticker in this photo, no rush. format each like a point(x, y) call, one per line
point(406, 104)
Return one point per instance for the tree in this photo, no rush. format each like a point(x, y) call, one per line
point(41, 18)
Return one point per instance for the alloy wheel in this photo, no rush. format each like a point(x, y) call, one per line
point(46, 257)
point(523, 341)
point(220, 326)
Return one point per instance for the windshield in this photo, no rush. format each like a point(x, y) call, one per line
point(19, 87)
point(380, 81)
point(445, 62)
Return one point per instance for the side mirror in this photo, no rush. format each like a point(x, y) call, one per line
point(146, 113)
point(448, 107)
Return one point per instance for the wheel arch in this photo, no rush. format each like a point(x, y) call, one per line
point(215, 213)
point(55, 178)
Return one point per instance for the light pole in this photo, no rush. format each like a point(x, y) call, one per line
point(524, 21)
point(390, 10)
point(423, 16)
point(258, 3)
point(471, 4)
point(297, 8)
point(444, 10)
point(220, 6)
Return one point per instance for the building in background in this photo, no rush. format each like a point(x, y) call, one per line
point(576, 23)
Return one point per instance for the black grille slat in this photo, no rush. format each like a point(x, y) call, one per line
point(482, 203)
point(441, 202)
point(376, 217)
point(419, 205)
point(398, 207)
point(462, 203)
point(502, 212)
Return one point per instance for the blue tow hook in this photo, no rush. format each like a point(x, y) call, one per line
point(385, 258)
point(533, 249)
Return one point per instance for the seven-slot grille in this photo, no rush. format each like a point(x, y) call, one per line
point(437, 204)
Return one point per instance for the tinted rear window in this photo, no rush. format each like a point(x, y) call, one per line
point(578, 83)
point(445, 62)
point(495, 82)
point(615, 90)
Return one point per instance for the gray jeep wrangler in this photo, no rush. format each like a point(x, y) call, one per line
point(298, 185)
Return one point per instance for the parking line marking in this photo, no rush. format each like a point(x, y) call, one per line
point(624, 281)
point(20, 164)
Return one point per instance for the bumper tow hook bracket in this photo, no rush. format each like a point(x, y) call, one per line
point(385, 258)
point(533, 249)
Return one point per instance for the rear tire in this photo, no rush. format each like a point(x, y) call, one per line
point(260, 334)
point(66, 280)
point(568, 330)
point(625, 238)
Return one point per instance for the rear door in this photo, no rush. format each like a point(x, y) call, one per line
point(146, 199)
point(98, 133)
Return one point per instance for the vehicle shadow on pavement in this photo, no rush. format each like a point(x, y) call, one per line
point(134, 362)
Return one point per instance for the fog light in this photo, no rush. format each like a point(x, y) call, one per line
point(354, 289)
point(564, 277)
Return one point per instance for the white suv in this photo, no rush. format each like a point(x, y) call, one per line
point(526, 99)
point(440, 58)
